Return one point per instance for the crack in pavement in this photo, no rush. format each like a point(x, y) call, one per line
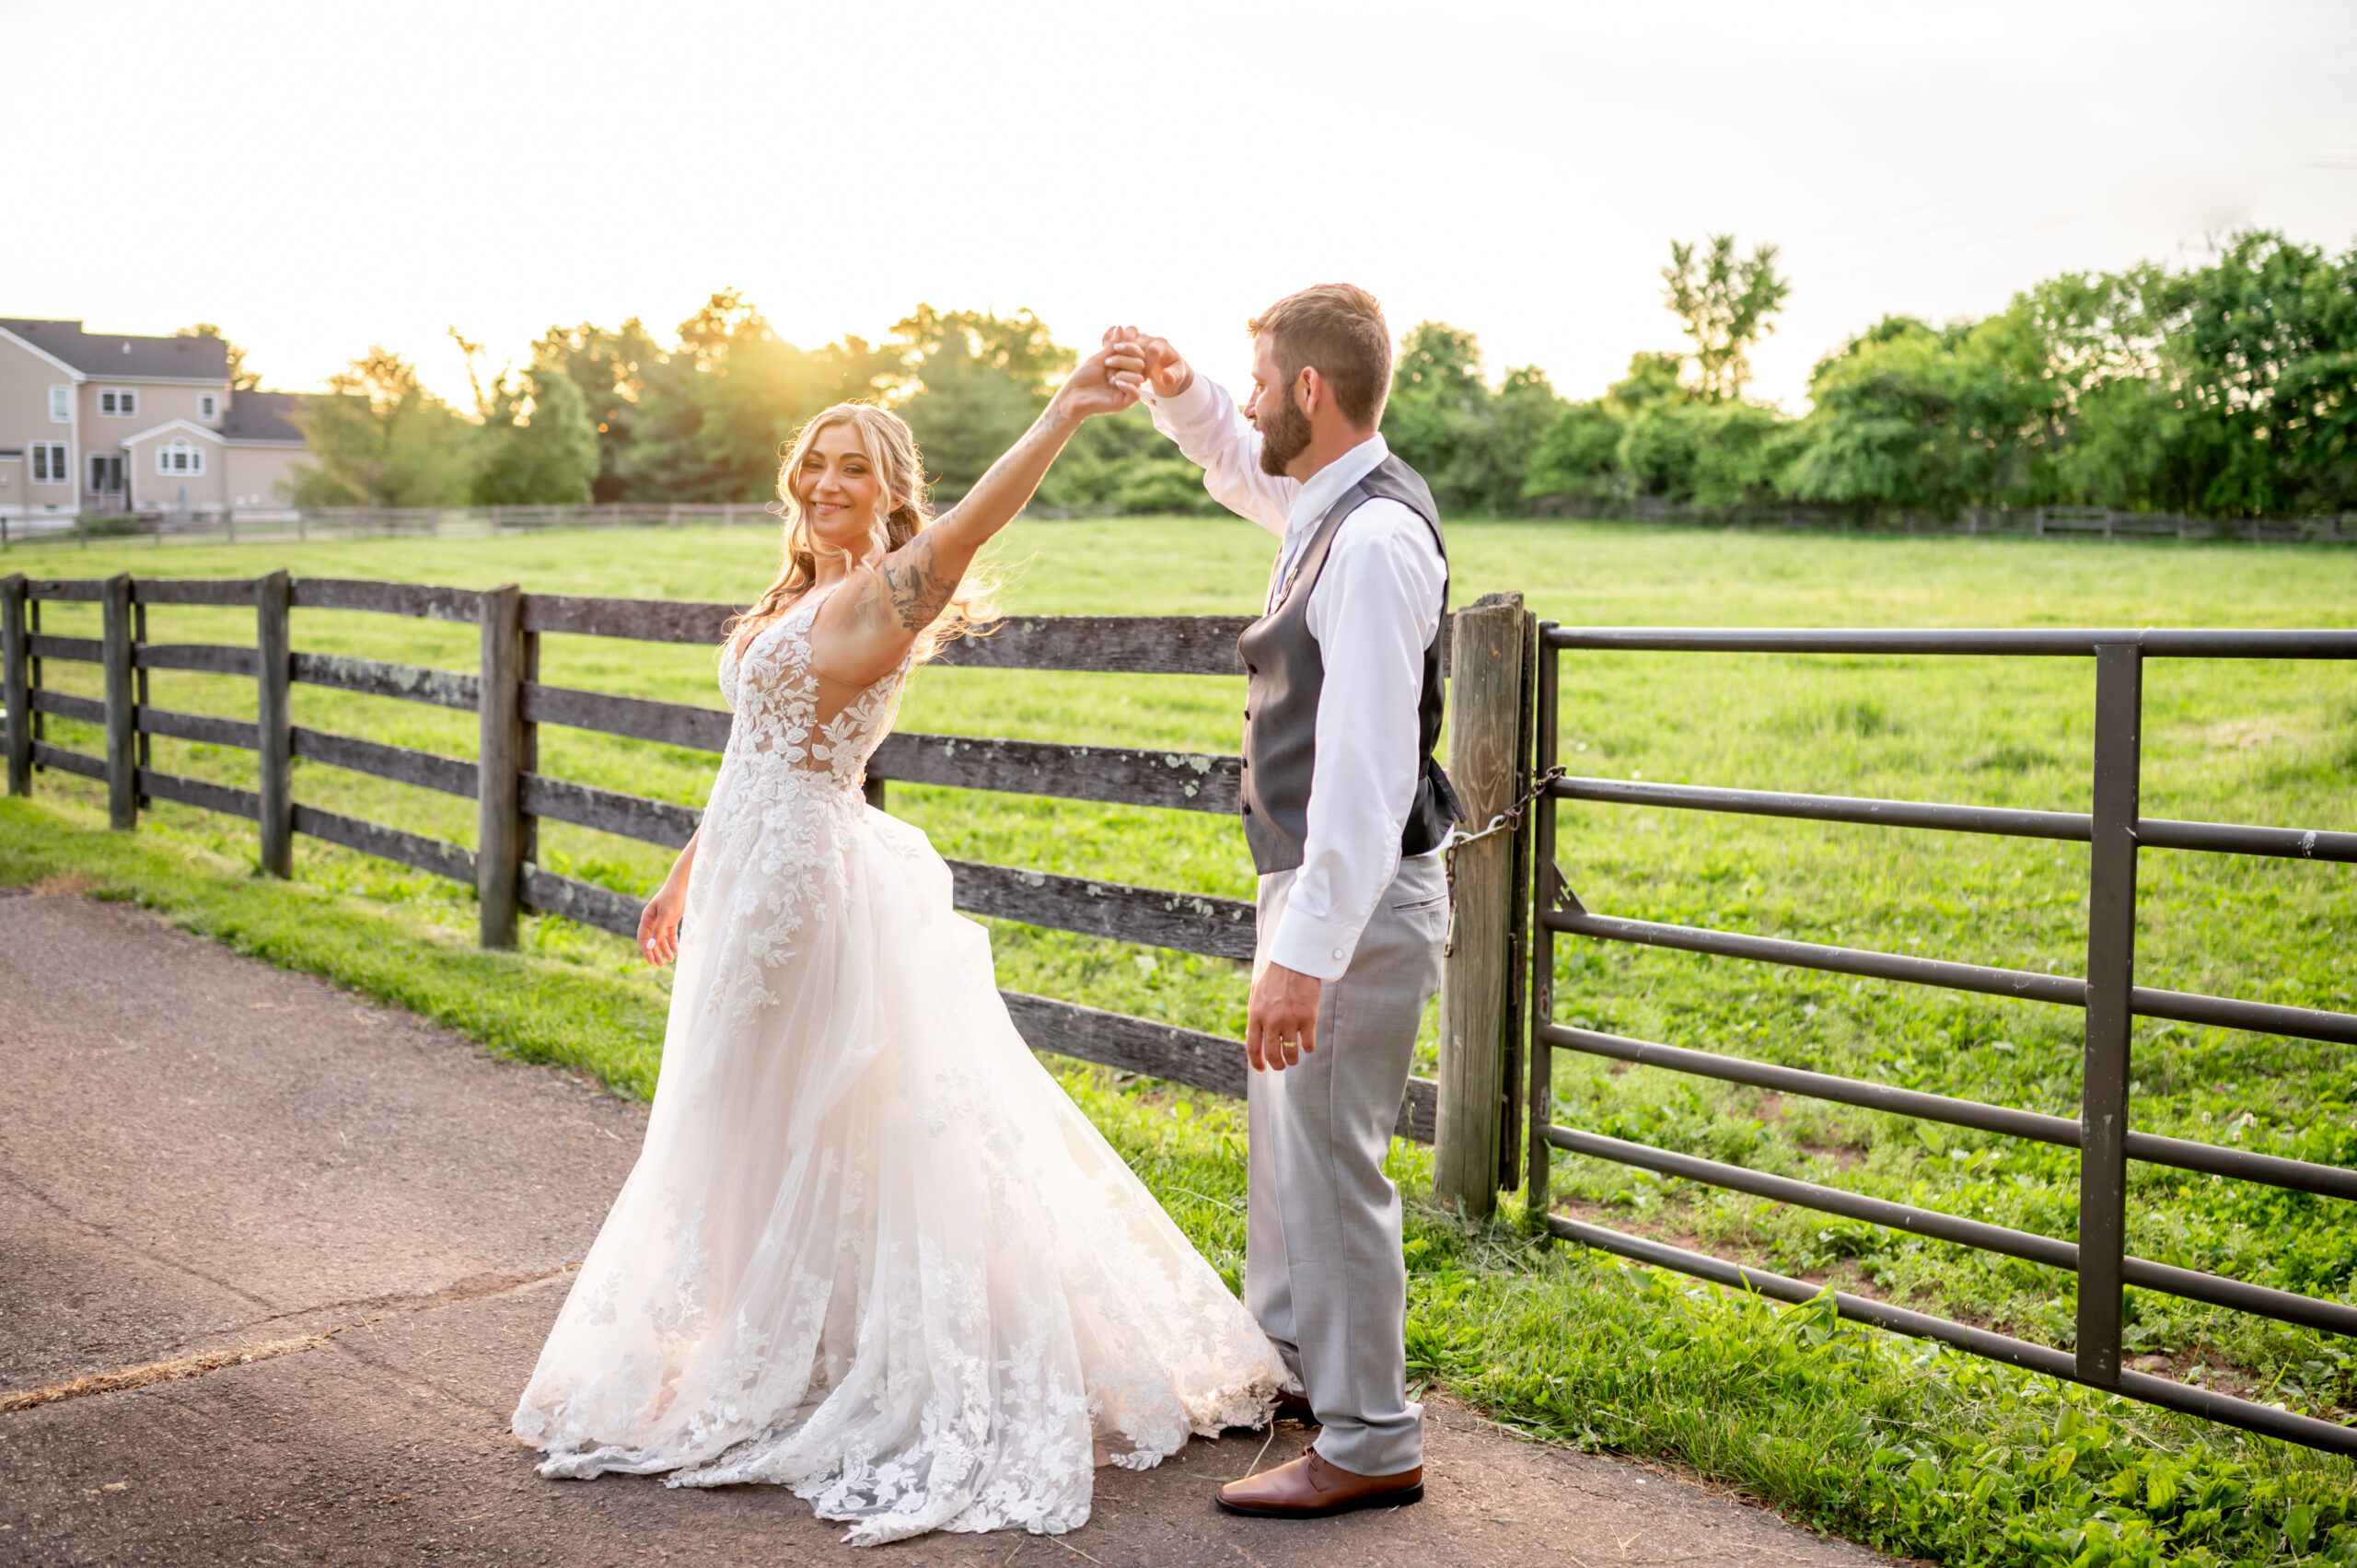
point(176, 1367)
point(134, 1248)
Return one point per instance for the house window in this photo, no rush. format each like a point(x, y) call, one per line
point(179, 457)
point(207, 405)
point(118, 403)
point(49, 462)
point(60, 405)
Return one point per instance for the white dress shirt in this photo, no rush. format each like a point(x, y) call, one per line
point(1372, 611)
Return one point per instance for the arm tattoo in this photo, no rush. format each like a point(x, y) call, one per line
point(918, 592)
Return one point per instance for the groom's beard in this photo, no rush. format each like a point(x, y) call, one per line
point(1284, 435)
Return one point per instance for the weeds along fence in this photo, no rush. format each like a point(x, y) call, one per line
point(2109, 995)
point(514, 795)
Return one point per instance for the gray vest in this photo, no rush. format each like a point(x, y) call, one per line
point(1284, 673)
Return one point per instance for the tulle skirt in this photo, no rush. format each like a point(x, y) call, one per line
point(870, 1250)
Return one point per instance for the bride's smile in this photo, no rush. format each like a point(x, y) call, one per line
point(838, 490)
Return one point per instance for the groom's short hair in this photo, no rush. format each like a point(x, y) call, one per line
point(1338, 329)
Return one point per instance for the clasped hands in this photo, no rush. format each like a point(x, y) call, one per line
point(1127, 361)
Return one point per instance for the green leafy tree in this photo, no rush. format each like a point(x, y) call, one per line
point(1654, 377)
point(609, 366)
point(540, 445)
point(1726, 304)
point(241, 377)
point(1122, 463)
point(1916, 419)
point(1577, 458)
point(1711, 455)
point(709, 421)
point(378, 439)
point(973, 383)
point(2261, 358)
point(1471, 444)
point(1524, 408)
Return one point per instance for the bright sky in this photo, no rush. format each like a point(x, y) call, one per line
point(316, 178)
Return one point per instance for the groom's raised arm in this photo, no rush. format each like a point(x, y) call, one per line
point(1213, 435)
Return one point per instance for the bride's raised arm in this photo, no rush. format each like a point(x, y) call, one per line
point(867, 633)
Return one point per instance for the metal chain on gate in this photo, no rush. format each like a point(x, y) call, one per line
point(1505, 821)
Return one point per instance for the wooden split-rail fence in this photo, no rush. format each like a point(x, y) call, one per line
point(514, 795)
point(1504, 679)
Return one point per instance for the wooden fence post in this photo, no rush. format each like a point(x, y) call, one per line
point(123, 787)
point(143, 743)
point(528, 749)
point(1485, 702)
point(19, 691)
point(499, 838)
point(1512, 1045)
point(273, 712)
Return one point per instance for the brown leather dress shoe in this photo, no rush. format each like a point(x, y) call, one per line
point(1309, 1488)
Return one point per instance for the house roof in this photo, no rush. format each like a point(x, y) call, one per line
point(170, 425)
point(262, 416)
point(116, 356)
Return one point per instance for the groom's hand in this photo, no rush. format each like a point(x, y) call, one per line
point(1280, 1021)
point(1168, 373)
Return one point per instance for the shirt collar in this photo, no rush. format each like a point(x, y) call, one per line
point(1325, 487)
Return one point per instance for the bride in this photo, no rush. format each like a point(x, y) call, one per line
point(870, 1251)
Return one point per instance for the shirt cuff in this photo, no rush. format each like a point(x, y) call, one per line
point(1314, 947)
point(1190, 407)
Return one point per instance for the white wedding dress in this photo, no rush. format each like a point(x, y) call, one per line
point(870, 1251)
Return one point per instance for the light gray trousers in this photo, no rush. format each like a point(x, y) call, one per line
point(1323, 1272)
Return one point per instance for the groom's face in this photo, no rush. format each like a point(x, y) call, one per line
point(1284, 429)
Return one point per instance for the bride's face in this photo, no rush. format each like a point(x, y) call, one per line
point(839, 491)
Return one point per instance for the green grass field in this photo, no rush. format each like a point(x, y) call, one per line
point(1905, 1447)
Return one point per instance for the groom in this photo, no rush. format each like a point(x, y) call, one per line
point(1347, 814)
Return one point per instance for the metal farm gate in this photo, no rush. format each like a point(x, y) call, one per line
point(2112, 1000)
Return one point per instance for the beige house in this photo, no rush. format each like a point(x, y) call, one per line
point(97, 421)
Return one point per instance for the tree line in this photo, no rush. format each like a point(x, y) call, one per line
point(2224, 388)
point(616, 414)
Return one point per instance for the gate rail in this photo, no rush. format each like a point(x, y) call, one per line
point(2114, 830)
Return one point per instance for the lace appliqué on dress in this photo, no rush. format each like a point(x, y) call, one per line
point(788, 791)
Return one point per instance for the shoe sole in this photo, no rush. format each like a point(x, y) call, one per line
point(1398, 1499)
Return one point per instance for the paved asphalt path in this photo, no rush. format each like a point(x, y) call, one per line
point(345, 1234)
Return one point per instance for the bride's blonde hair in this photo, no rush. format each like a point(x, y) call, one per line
point(891, 450)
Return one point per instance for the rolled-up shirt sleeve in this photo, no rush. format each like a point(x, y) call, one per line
point(1375, 608)
point(1213, 434)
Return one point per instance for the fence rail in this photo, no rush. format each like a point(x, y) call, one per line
point(514, 795)
point(2116, 832)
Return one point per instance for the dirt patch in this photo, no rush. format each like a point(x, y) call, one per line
point(2248, 734)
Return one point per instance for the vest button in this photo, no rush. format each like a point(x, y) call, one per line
point(1248, 808)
